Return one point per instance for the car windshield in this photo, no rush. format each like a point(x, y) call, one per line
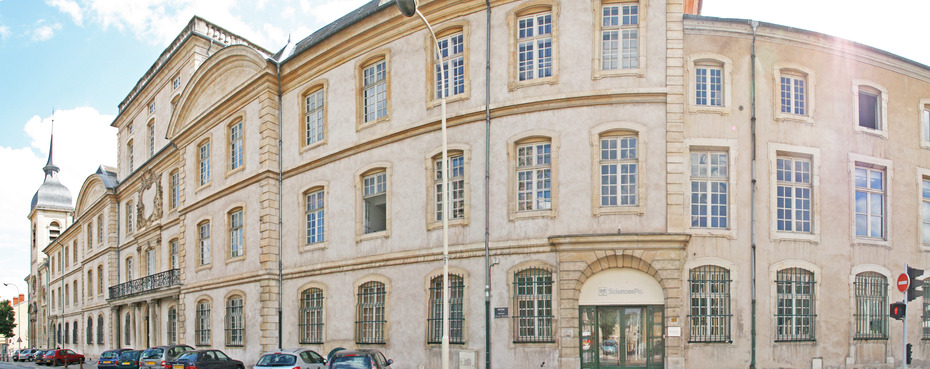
point(350, 362)
point(277, 360)
point(153, 353)
point(108, 355)
point(50, 353)
point(129, 355)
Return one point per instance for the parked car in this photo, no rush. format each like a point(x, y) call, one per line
point(158, 357)
point(128, 359)
point(295, 358)
point(205, 359)
point(62, 357)
point(22, 355)
point(359, 359)
point(609, 347)
point(15, 355)
point(109, 358)
point(36, 355)
point(45, 357)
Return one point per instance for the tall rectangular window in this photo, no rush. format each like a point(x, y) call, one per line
point(204, 151)
point(151, 134)
point(375, 197)
point(374, 91)
point(925, 125)
point(709, 194)
point(456, 316)
point(90, 235)
point(204, 239)
point(175, 189)
point(925, 318)
point(925, 213)
point(532, 305)
point(710, 304)
point(100, 229)
point(619, 170)
point(794, 191)
point(235, 145)
point(173, 254)
point(315, 117)
point(457, 182)
point(793, 94)
point(100, 280)
point(369, 321)
point(795, 315)
point(620, 36)
point(234, 328)
point(150, 262)
point(129, 156)
point(534, 46)
point(452, 49)
point(202, 326)
point(172, 325)
point(311, 316)
point(869, 108)
point(129, 269)
point(871, 306)
point(870, 202)
point(235, 233)
point(316, 217)
point(534, 176)
point(708, 85)
point(129, 211)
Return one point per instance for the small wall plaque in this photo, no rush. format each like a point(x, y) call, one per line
point(501, 312)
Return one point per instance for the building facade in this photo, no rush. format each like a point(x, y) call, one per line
point(632, 185)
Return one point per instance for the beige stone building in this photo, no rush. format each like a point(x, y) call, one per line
point(632, 186)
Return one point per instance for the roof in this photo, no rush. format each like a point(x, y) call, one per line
point(52, 195)
point(330, 29)
point(108, 176)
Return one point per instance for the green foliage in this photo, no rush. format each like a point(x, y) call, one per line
point(6, 318)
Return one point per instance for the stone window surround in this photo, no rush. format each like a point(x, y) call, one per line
point(531, 7)
point(445, 30)
point(596, 68)
point(302, 212)
point(642, 142)
point(693, 60)
point(325, 290)
point(776, 150)
point(890, 296)
point(365, 62)
point(773, 295)
point(536, 135)
point(857, 160)
point(857, 85)
point(924, 126)
point(321, 84)
point(810, 88)
point(730, 147)
point(431, 183)
point(240, 120)
point(374, 277)
point(428, 278)
point(555, 299)
point(235, 293)
point(239, 206)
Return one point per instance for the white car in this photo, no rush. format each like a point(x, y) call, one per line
point(293, 358)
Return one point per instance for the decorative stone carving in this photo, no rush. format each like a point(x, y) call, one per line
point(148, 179)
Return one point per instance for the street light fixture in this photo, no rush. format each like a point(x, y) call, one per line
point(409, 8)
point(19, 330)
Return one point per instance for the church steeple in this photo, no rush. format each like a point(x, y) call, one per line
point(52, 194)
point(50, 167)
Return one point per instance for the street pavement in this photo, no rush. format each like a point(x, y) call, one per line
point(32, 365)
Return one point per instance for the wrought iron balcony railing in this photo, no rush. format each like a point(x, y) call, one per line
point(146, 284)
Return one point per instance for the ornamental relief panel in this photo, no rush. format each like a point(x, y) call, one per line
point(149, 192)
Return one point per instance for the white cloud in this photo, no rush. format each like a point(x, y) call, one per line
point(69, 7)
point(83, 141)
point(44, 32)
point(4, 32)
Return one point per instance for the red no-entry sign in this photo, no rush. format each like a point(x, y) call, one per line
point(903, 282)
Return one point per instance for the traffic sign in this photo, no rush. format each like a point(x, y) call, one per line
point(903, 282)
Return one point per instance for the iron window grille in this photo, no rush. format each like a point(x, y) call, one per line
point(871, 306)
point(234, 328)
point(620, 37)
point(172, 326)
point(452, 49)
point(315, 116)
point(925, 322)
point(794, 194)
point(534, 46)
point(316, 217)
point(532, 302)
point(369, 322)
point(795, 316)
point(311, 316)
point(710, 304)
point(709, 190)
point(203, 323)
point(456, 316)
point(534, 176)
point(457, 182)
point(619, 163)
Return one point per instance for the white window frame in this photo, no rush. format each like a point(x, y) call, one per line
point(857, 161)
point(924, 118)
point(776, 151)
point(236, 145)
point(236, 238)
point(314, 127)
point(100, 229)
point(175, 189)
point(129, 155)
point(129, 269)
point(530, 172)
point(709, 180)
point(530, 41)
point(712, 61)
point(203, 241)
point(456, 181)
point(203, 155)
point(923, 209)
point(315, 216)
point(373, 185)
point(374, 91)
point(625, 164)
point(173, 254)
point(794, 177)
point(129, 212)
point(361, 197)
point(454, 64)
point(151, 136)
point(795, 72)
point(235, 316)
point(150, 262)
point(882, 101)
point(628, 25)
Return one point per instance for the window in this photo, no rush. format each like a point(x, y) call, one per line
point(172, 325)
point(925, 324)
point(534, 176)
point(870, 202)
point(90, 235)
point(709, 194)
point(620, 36)
point(67, 295)
point(315, 116)
point(53, 231)
point(150, 262)
point(534, 46)
point(794, 190)
point(100, 229)
point(710, 304)
point(532, 305)
point(203, 323)
point(129, 211)
point(90, 283)
point(129, 155)
point(924, 125)
point(452, 49)
point(176, 82)
point(374, 91)
point(234, 327)
point(369, 321)
point(871, 306)
point(75, 290)
point(374, 196)
point(708, 85)
point(793, 93)
point(794, 314)
point(235, 145)
point(456, 182)
point(619, 170)
point(151, 136)
point(74, 332)
point(66, 253)
point(311, 316)
point(869, 108)
point(204, 150)
point(204, 239)
point(90, 330)
point(100, 329)
point(456, 317)
point(100, 279)
point(127, 326)
point(173, 252)
point(235, 234)
point(152, 107)
point(175, 189)
point(74, 253)
point(129, 276)
point(66, 332)
point(316, 219)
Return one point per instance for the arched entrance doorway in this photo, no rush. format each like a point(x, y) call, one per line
point(621, 317)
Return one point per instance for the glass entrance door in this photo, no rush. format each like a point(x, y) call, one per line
point(614, 337)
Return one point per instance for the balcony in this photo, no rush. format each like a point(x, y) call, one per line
point(146, 284)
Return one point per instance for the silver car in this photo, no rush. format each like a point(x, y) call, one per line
point(293, 358)
point(156, 357)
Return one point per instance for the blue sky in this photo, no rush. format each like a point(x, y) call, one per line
point(82, 57)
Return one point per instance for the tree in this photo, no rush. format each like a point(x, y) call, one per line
point(6, 318)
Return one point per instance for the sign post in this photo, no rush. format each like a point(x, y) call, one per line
point(904, 281)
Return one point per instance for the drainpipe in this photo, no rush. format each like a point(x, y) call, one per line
point(752, 94)
point(487, 201)
point(280, 221)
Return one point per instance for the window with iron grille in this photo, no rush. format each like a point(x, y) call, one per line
point(456, 316)
point(620, 36)
point(204, 151)
point(794, 194)
point(871, 306)
point(369, 322)
point(452, 49)
point(925, 319)
point(127, 333)
point(532, 305)
point(235, 233)
point(534, 176)
point(619, 162)
point(795, 316)
point(316, 217)
point(172, 325)
point(202, 330)
point(709, 193)
point(925, 212)
point(374, 91)
point(793, 93)
point(100, 329)
point(870, 202)
point(315, 116)
point(234, 328)
point(235, 145)
point(534, 46)
point(457, 182)
point(708, 85)
point(710, 304)
point(204, 239)
point(311, 316)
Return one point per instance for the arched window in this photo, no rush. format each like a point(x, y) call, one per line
point(202, 325)
point(532, 305)
point(795, 319)
point(871, 306)
point(100, 329)
point(234, 328)
point(53, 231)
point(710, 304)
point(311, 316)
point(66, 332)
point(74, 333)
point(90, 283)
point(369, 321)
point(100, 279)
point(456, 318)
point(236, 240)
point(90, 330)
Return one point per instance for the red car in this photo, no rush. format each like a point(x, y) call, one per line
point(62, 356)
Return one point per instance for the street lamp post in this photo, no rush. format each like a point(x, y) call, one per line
point(19, 330)
point(409, 8)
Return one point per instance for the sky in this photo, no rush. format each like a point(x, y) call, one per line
point(74, 61)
